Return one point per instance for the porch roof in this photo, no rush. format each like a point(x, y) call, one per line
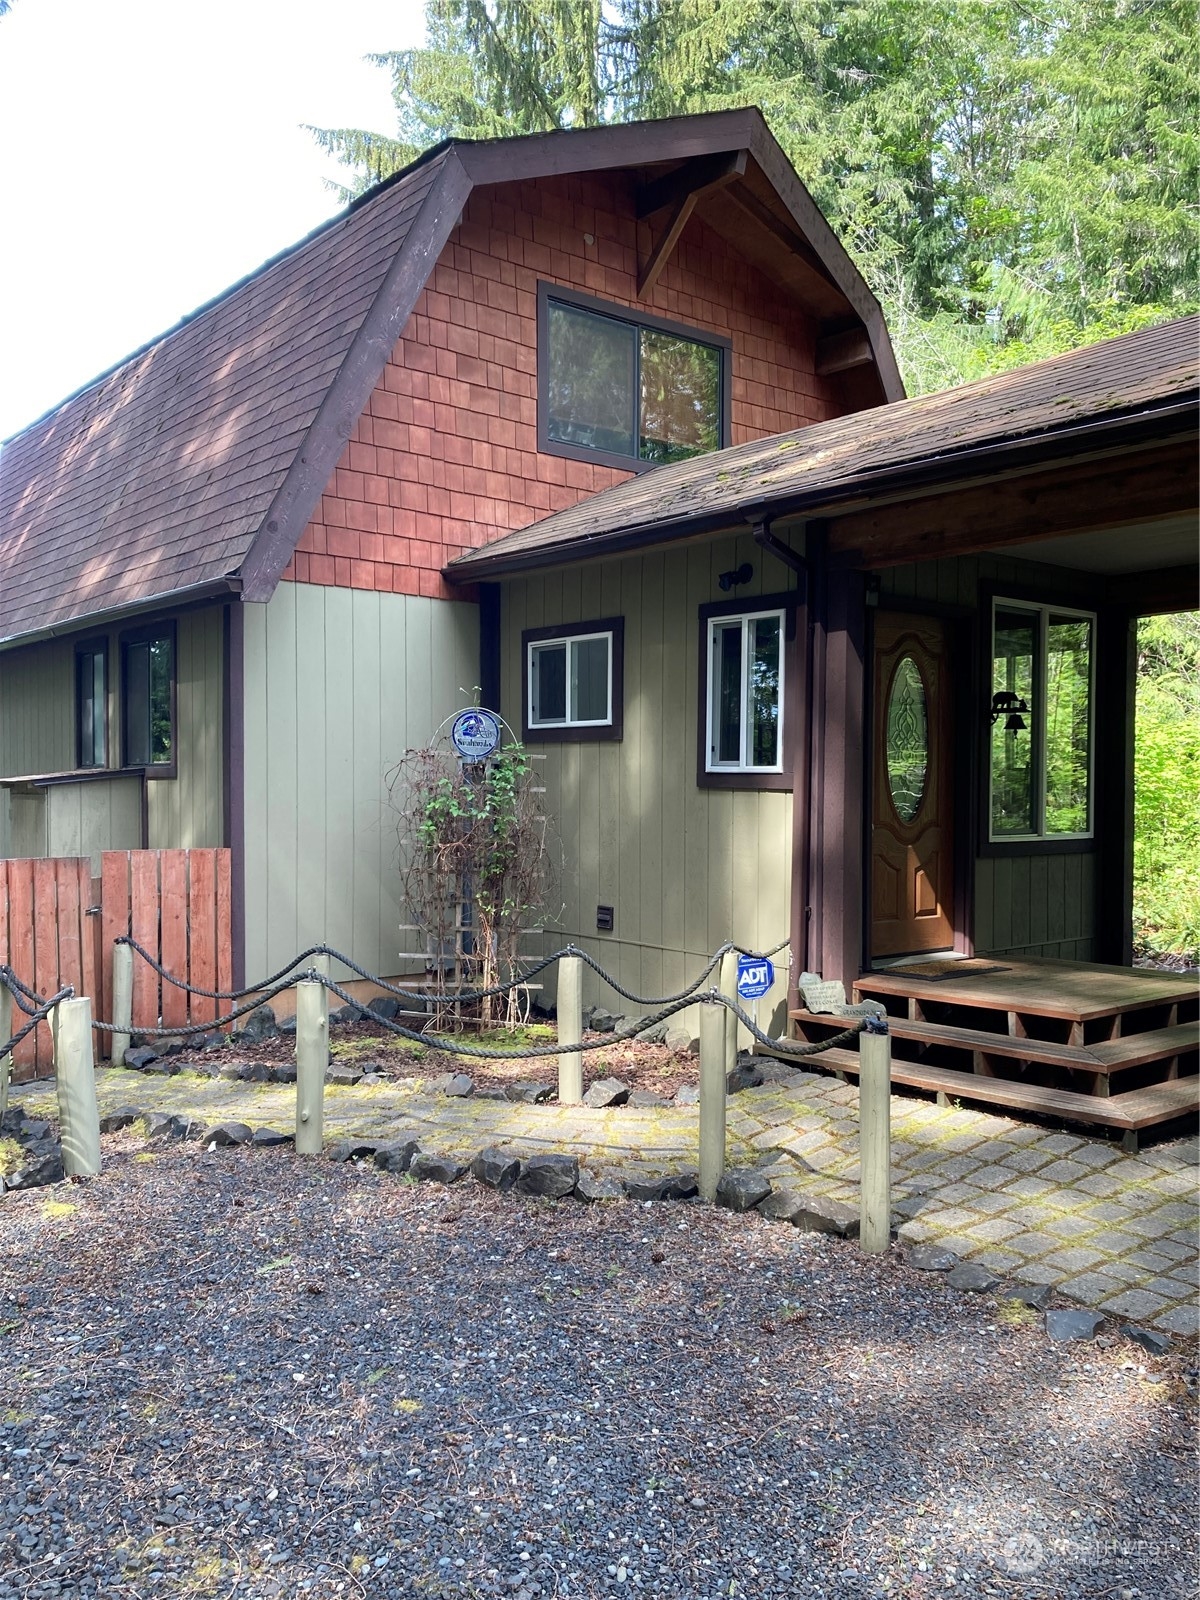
point(1124, 389)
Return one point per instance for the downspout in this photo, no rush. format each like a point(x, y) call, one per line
point(802, 765)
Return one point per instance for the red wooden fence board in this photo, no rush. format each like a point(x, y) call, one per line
point(70, 948)
point(45, 949)
point(173, 873)
point(143, 874)
point(202, 931)
point(224, 912)
point(90, 952)
point(114, 917)
point(20, 956)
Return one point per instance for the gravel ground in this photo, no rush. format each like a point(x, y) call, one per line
point(233, 1374)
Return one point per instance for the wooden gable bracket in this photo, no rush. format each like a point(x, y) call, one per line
point(680, 191)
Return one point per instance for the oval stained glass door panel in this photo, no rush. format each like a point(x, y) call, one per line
point(907, 739)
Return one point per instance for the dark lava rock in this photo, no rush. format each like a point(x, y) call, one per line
point(606, 1092)
point(173, 1045)
point(260, 1024)
point(217, 1041)
point(436, 1169)
point(228, 1133)
point(593, 1186)
point(161, 1125)
point(529, 1094)
point(742, 1188)
point(353, 1149)
point(163, 1066)
point(1034, 1295)
point(680, 1039)
point(345, 1014)
point(341, 1072)
point(554, 1176)
point(688, 1095)
point(122, 1117)
point(29, 1128)
point(746, 1075)
point(646, 1098)
point(385, 1006)
point(38, 1168)
point(284, 1072)
point(1158, 1344)
point(397, 1155)
point(490, 1092)
point(781, 1205)
point(254, 1072)
point(455, 1084)
point(139, 1057)
point(189, 1128)
point(932, 1258)
point(819, 1214)
point(661, 1186)
point(656, 1033)
point(972, 1278)
point(1066, 1326)
point(268, 1138)
point(499, 1169)
point(602, 1021)
point(288, 1026)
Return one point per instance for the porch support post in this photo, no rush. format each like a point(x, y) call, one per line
point(1116, 684)
point(839, 839)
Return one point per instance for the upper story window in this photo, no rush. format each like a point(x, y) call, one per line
point(148, 697)
point(625, 389)
point(1040, 764)
point(91, 704)
point(573, 681)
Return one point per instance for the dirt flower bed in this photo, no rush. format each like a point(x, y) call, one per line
point(236, 1374)
point(651, 1067)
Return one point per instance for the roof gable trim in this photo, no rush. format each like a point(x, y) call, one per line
point(300, 492)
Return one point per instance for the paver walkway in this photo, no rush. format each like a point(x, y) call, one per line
point(1109, 1230)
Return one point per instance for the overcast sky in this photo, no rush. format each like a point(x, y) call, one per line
point(151, 153)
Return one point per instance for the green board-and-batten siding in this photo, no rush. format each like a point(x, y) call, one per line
point(338, 683)
point(37, 736)
point(684, 868)
point(1029, 905)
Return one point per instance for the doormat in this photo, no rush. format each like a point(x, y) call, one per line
point(941, 971)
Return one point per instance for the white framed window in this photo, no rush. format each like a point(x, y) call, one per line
point(573, 681)
point(1040, 756)
point(744, 725)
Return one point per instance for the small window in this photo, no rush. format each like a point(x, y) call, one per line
point(573, 681)
point(629, 391)
point(148, 699)
point(1040, 758)
point(745, 692)
point(91, 705)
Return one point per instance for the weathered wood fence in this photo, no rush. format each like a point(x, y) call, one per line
point(58, 923)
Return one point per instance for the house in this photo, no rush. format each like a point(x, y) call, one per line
point(223, 609)
point(869, 689)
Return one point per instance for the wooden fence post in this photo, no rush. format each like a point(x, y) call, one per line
point(75, 1078)
point(569, 1012)
point(6, 1013)
point(122, 999)
point(713, 1091)
point(875, 1141)
point(729, 976)
point(312, 1058)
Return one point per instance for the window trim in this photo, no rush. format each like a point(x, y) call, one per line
point(96, 645)
point(144, 635)
point(576, 732)
point(546, 292)
point(1039, 842)
point(788, 602)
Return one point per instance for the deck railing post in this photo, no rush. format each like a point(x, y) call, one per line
point(729, 978)
point(312, 1058)
point(713, 1091)
point(6, 1011)
point(875, 1137)
point(122, 1002)
point(569, 1011)
point(75, 1079)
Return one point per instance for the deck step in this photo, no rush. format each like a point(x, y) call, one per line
point(1159, 1044)
point(1139, 1108)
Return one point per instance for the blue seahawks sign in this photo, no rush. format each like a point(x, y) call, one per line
point(475, 734)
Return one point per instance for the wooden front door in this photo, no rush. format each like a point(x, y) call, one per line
point(912, 850)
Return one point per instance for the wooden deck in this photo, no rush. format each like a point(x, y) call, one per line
point(1079, 1042)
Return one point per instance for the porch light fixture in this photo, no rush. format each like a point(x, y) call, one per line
point(741, 574)
point(1012, 708)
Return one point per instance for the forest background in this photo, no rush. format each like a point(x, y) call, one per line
point(1014, 178)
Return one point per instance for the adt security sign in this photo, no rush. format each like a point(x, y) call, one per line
point(755, 976)
point(475, 734)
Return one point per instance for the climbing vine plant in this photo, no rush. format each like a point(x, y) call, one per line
point(476, 856)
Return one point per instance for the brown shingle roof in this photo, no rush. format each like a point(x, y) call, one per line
point(156, 478)
point(832, 462)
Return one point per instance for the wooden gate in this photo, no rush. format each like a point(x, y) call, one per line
point(58, 923)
